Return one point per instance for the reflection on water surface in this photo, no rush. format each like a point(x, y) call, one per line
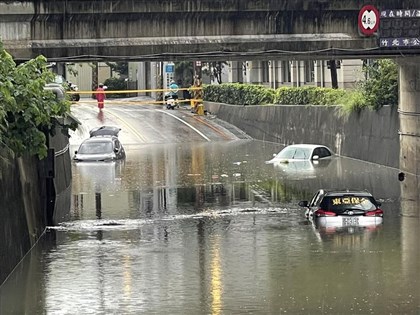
point(210, 228)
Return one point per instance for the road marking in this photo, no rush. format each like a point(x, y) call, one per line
point(212, 127)
point(184, 122)
point(135, 132)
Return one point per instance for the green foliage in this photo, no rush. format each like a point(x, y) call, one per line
point(27, 110)
point(353, 101)
point(381, 86)
point(116, 84)
point(239, 94)
point(120, 67)
point(184, 72)
point(308, 96)
point(248, 94)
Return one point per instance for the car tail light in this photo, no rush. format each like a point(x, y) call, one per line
point(324, 213)
point(374, 213)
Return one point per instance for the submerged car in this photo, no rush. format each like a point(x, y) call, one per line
point(103, 145)
point(302, 152)
point(340, 208)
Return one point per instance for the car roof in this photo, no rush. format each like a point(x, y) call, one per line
point(105, 131)
point(309, 146)
point(100, 139)
point(340, 192)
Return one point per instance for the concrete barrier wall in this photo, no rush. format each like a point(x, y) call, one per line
point(34, 193)
point(369, 135)
point(21, 222)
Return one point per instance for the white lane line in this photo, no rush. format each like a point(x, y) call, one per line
point(184, 122)
point(128, 125)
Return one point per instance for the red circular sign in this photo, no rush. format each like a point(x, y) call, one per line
point(368, 20)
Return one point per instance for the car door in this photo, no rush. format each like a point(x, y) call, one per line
point(120, 150)
point(315, 202)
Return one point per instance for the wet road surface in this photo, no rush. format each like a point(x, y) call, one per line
point(196, 226)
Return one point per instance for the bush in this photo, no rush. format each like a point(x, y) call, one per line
point(239, 94)
point(115, 84)
point(27, 110)
point(308, 96)
point(353, 101)
point(381, 88)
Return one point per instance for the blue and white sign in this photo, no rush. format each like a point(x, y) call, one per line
point(400, 42)
point(170, 68)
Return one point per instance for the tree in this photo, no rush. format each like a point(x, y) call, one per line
point(120, 67)
point(184, 72)
point(381, 84)
point(27, 110)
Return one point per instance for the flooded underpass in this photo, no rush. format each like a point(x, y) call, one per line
point(210, 228)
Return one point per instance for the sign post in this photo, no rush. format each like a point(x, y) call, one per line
point(368, 20)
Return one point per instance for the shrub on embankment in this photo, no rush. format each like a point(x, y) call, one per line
point(381, 88)
point(27, 109)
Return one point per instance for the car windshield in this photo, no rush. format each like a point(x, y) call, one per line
point(351, 202)
point(295, 153)
point(95, 148)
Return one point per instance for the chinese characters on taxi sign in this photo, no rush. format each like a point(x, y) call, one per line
point(347, 201)
point(400, 28)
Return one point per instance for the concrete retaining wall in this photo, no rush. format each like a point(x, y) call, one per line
point(370, 135)
point(34, 194)
point(20, 216)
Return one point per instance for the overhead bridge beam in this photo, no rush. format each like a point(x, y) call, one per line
point(147, 30)
point(239, 47)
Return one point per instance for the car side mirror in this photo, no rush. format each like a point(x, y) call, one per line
point(303, 203)
point(116, 150)
point(315, 157)
point(75, 152)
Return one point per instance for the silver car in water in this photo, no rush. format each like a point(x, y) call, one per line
point(103, 145)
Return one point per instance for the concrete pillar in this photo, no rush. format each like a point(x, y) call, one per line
point(320, 73)
point(409, 113)
point(272, 74)
point(139, 75)
point(295, 74)
point(235, 71)
point(154, 77)
point(253, 72)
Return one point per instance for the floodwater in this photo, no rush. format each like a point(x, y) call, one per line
point(209, 228)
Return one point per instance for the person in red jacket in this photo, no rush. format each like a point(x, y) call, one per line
point(100, 96)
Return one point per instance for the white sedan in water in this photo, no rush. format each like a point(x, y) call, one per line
point(301, 152)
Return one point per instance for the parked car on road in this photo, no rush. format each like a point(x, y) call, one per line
point(103, 145)
point(342, 208)
point(299, 152)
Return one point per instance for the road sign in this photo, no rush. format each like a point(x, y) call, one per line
point(170, 68)
point(400, 28)
point(368, 20)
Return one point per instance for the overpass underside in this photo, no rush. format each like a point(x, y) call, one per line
point(185, 29)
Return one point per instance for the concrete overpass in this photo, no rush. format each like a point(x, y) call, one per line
point(76, 30)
